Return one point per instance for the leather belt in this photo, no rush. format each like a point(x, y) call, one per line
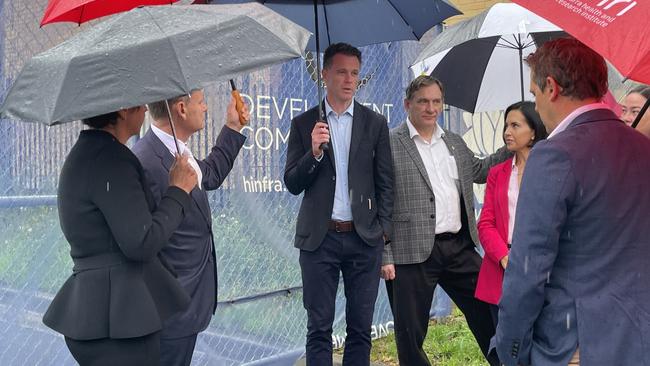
point(447, 236)
point(98, 261)
point(341, 226)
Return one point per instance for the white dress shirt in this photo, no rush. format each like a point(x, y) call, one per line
point(443, 175)
point(168, 141)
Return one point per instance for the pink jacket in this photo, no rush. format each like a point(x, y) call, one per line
point(493, 232)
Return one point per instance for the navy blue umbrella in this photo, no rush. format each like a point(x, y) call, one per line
point(360, 22)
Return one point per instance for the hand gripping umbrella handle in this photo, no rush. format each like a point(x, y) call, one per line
point(239, 102)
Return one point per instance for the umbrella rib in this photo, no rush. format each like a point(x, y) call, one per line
point(327, 26)
point(509, 44)
point(403, 19)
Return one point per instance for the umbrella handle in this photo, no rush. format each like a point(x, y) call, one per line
point(239, 102)
point(641, 113)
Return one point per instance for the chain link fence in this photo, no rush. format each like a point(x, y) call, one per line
point(260, 318)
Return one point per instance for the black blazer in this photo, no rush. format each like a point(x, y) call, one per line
point(191, 248)
point(118, 288)
point(370, 179)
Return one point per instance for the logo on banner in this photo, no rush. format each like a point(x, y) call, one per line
point(608, 4)
point(603, 14)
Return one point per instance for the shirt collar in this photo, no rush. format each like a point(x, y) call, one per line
point(438, 133)
point(566, 121)
point(168, 141)
point(349, 110)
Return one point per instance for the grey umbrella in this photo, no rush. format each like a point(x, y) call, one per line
point(149, 54)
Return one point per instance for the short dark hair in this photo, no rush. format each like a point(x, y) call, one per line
point(532, 118)
point(342, 48)
point(158, 110)
point(101, 120)
point(643, 90)
point(422, 81)
point(578, 70)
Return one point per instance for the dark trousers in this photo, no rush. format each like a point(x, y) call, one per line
point(359, 263)
point(177, 351)
point(494, 310)
point(141, 351)
point(454, 265)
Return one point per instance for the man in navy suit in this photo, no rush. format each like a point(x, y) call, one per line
point(190, 252)
point(576, 287)
point(345, 215)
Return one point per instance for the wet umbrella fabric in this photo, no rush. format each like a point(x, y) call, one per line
point(149, 54)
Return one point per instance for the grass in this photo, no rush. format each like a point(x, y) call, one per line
point(448, 343)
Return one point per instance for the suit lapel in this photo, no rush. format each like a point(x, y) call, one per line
point(412, 150)
point(201, 198)
point(358, 130)
point(167, 160)
point(330, 152)
point(160, 149)
point(503, 203)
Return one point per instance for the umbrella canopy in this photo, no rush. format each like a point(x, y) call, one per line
point(480, 60)
point(362, 22)
point(81, 11)
point(149, 54)
point(616, 29)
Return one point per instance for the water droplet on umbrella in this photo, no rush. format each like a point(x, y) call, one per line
point(568, 321)
point(108, 186)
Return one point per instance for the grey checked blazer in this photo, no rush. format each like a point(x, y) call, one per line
point(414, 209)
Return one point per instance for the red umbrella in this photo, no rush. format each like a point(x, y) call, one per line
point(617, 29)
point(80, 11)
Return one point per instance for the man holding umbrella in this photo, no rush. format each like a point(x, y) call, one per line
point(578, 269)
point(344, 217)
point(191, 248)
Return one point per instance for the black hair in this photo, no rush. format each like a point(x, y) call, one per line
point(342, 48)
point(101, 120)
point(532, 119)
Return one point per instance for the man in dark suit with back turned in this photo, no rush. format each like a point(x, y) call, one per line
point(344, 217)
point(191, 248)
point(576, 287)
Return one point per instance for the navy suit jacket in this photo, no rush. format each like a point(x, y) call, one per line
point(578, 271)
point(191, 248)
point(370, 179)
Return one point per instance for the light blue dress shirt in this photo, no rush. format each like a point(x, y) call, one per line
point(340, 127)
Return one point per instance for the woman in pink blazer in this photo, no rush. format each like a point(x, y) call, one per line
point(522, 129)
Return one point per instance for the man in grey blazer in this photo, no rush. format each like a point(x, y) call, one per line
point(576, 287)
point(344, 217)
point(434, 226)
point(190, 251)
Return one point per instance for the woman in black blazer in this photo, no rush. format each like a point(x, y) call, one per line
point(112, 307)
